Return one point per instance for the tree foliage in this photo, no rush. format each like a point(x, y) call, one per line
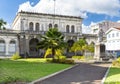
point(79, 45)
point(53, 39)
point(2, 24)
point(91, 47)
point(58, 52)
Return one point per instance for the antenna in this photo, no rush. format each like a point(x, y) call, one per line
point(54, 11)
point(54, 6)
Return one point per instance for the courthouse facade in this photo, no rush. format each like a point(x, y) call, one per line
point(27, 26)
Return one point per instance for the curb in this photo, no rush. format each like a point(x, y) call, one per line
point(43, 78)
point(103, 80)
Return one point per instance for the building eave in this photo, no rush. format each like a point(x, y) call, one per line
point(45, 14)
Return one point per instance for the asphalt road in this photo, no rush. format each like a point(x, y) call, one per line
point(83, 73)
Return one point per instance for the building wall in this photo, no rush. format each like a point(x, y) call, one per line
point(105, 25)
point(8, 45)
point(23, 20)
point(113, 40)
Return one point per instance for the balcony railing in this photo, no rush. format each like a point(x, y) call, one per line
point(34, 32)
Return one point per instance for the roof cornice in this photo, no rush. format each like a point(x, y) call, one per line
point(35, 13)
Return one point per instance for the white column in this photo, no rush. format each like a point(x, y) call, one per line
point(97, 51)
point(17, 45)
point(34, 26)
point(7, 46)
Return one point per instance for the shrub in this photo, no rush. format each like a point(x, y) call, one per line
point(48, 52)
point(116, 62)
point(69, 61)
point(59, 59)
point(15, 56)
point(78, 57)
point(49, 59)
point(62, 59)
point(58, 52)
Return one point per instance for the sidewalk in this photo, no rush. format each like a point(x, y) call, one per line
point(83, 73)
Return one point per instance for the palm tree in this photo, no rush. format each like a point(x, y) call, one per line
point(53, 39)
point(2, 23)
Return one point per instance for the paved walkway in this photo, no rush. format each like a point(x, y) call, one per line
point(83, 73)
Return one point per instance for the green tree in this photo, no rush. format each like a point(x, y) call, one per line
point(2, 24)
point(76, 47)
point(53, 39)
point(91, 47)
point(80, 45)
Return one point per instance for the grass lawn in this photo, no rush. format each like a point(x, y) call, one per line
point(113, 76)
point(26, 71)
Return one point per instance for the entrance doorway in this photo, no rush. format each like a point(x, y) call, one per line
point(33, 47)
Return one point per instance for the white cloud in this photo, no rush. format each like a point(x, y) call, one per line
point(93, 23)
point(118, 21)
point(26, 7)
point(86, 29)
point(8, 26)
point(74, 7)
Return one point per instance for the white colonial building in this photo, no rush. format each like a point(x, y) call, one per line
point(29, 21)
point(27, 26)
point(113, 41)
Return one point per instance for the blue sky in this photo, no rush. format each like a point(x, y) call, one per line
point(92, 17)
point(9, 9)
point(92, 11)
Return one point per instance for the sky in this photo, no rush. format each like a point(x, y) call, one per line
point(93, 11)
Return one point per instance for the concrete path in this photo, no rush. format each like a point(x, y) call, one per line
point(83, 73)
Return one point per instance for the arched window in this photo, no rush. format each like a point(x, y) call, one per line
point(2, 47)
point(31, 26)
point(67, 29)
point(12, 47)
point(55, 26)
point(50, 25)
point(72, 28)
point(37, 27)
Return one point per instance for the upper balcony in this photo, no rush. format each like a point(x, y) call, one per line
point(34, 32)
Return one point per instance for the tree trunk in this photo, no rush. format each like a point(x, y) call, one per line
point(53, 52)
